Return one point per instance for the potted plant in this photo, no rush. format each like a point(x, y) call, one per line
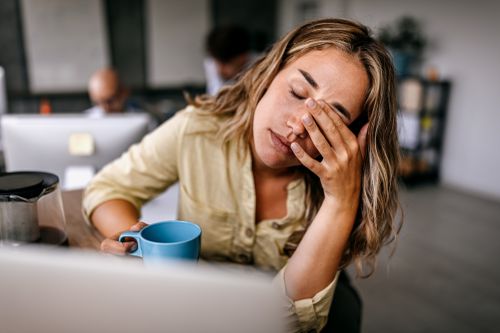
point(405, 40)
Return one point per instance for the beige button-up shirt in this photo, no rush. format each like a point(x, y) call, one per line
point(217, 192)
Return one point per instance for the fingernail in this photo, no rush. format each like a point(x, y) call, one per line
point(311, 103)
point(307, 119)
point(294, 146)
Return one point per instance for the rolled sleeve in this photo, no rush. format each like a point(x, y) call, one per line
point(309, 314)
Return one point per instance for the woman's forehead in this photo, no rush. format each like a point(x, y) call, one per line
point(333, 74)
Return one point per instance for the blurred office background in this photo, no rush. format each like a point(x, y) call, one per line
point(444, 274)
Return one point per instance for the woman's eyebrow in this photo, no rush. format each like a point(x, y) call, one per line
point(340, 108)
point(309, 78)
point(335, 106)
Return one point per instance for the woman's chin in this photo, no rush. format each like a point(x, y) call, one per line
point(275, 162)
point(272, 159)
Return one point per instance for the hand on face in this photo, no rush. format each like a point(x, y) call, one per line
point(342, 153)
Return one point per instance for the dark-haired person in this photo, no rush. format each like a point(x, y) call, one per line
point(229, 53)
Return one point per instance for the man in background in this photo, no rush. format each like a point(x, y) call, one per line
point(108, 94)
point(229, 52)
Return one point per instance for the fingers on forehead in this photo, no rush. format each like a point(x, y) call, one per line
point(325, 110)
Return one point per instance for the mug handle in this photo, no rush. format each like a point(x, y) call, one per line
point(134, 235)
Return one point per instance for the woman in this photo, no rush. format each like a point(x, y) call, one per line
point(292, 168)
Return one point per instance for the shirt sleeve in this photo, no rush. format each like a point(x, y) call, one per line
point(143, 172)
point(309, 314)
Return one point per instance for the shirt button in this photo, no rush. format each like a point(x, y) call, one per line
point(276, 225)
point(249, 232)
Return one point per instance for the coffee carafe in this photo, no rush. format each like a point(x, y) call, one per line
point(31, 209)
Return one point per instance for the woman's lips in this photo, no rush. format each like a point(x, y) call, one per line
point(280, 143)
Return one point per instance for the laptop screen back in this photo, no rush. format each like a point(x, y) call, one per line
point(66, 291)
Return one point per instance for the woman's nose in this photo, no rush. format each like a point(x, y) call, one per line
point(297, 128)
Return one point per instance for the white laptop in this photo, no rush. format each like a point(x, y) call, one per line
point(47, 290)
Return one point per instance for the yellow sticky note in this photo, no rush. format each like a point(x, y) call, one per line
point(81, 144)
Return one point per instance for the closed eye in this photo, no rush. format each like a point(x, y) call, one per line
point(297, 96)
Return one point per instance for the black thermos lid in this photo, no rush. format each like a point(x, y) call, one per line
point(26, 184)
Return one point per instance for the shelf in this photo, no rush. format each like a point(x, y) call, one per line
point(421, 123)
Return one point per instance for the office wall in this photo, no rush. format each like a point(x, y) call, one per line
point(125, 22)
point(61, 56)
point(175, 33)
point(466, 50)
point(11, 46)
point(294, 12)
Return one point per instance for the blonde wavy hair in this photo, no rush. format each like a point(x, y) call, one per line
point(235, 104)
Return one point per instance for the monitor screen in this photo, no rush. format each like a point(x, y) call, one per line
point(72, 146)
point(3, 92)
point(3, 98)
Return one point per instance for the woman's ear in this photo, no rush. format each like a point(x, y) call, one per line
point(362, 139)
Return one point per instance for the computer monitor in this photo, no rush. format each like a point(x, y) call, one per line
point(3, 92)
point(3, 98)
point(72, 146)
point(56, 291)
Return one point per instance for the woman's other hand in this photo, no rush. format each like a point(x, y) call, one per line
point(113, 246)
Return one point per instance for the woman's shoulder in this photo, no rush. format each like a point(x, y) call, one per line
point(199, 121)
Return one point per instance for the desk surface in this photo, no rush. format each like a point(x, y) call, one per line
point(80, 234)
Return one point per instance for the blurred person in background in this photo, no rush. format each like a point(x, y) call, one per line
point(229, 52)
point(291, 169)
point(108, 94)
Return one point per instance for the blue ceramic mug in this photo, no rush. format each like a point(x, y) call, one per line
point(167, 240)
